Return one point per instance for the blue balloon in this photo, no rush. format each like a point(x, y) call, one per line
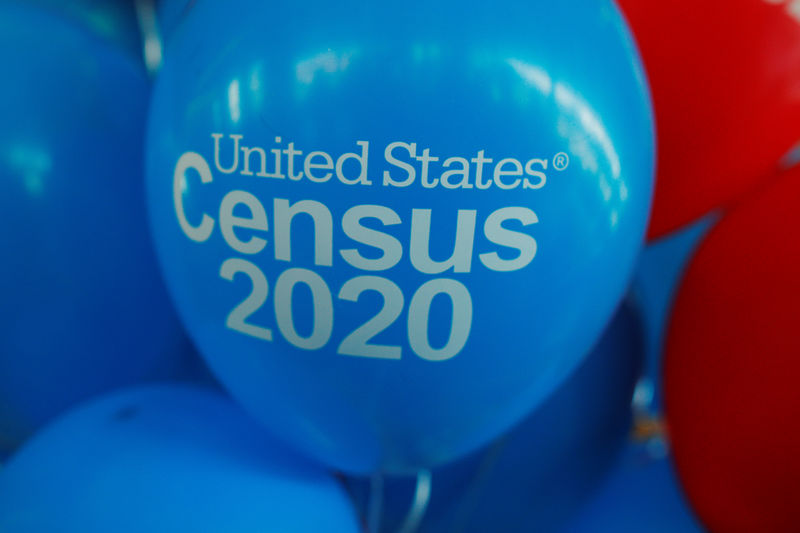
point(536, 477)
point(394, 229)
point(83, 308)
point(642, 494)
point(655, 284)
point(163, 459)
point(112, 20)
point(170, 14)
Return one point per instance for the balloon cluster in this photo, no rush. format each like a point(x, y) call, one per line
point(439, 278)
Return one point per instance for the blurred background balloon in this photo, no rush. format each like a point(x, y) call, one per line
point(537, 476)
point(170, 13)
point(732, 367)
point(641, 494)
point(163, 459)
point(83, 308)
point(113, 20)
point(726, 89)
point(509, 322)
point(655, 283)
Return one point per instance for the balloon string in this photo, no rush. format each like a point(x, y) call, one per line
point(375, 509)
point(472, 494)
point(151, 36)
point(422, 496)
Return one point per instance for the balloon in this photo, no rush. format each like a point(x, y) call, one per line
point(399, 299)
point(83, 308)
point(642, 494)
point(112, 20)
point(170, 14)
point(655, 283)
point(725, 88)
point(536, 477)
point(731, 368)
point(163, 459)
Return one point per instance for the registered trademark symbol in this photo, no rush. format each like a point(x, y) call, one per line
point(560, 161)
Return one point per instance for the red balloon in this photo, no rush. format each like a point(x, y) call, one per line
point(732, 368)
point(725, 79)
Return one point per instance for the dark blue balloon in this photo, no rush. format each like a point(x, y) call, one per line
point(655, 282)
point(164, 459)
point(536, 477)
point(394, 229)
point(83, 309)
point(641, 495)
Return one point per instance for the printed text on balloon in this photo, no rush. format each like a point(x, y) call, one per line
point(390, 248)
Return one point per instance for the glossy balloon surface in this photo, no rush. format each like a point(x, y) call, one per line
point(726, 91)
point(536, 477)
point(731, 367)
point(461, 223)
point(83, 308)
point(164, 459)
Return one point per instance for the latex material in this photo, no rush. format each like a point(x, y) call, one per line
point(655, 284)
point(537, 269)
point(642, 494)
point(726, 90)
point(165, 459)
point(731, 368)
point(170, 13)
point(83, 308)
point(536, 477)
point(112, 20)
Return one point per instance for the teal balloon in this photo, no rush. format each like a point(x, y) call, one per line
point(164, 459)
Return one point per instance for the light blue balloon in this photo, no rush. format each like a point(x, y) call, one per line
point(340, 304)
point(655, 283)
point(82, 308)
point(643, 494)
point(163, 459)
point(537, 476)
